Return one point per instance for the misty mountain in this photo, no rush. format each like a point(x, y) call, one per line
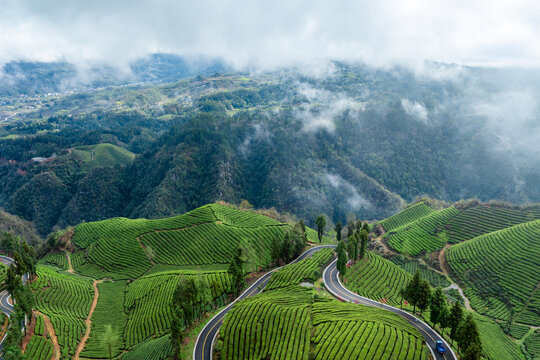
point(360, 141)
point(34, 78)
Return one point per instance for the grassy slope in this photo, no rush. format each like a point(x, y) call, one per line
point(101, 155)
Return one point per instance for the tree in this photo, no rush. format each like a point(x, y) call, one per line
point(444, 317)
point(469, 338)
point(437, 303)
point(342, 262)
point(177, 330)
point(352, 247)
point(236, 270)
point(321, 223)
point(109, 337)
point(366, 227)
point(286, 248)
point(13, 281)
point(350, 227)
point(184, 298)
point(454, 320)
point(424, 295)
point(338, 229)
point(411, 291)
point(20, 265)
point(363, 244)
point(203, 290)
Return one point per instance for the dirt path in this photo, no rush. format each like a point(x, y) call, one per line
point(88, 322)
point(70, 267)
point(446, 270)
point(49, 329)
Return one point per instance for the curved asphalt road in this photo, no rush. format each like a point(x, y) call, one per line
point(336, 288)
point(5, 306)
point(205, 340)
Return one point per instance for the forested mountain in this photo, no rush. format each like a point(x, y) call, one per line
point(360, 141)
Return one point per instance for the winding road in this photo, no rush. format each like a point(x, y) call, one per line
point(5, 305)
point(336, 288)
point(205, 340)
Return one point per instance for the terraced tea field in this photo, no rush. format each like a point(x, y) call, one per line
point(306, 270)
point(484, 219)
point(377, 278)
point(289, 323)
point(421, 235)
point(350, 331)
point(500, 270)
point(412, 213)
point(121, 248)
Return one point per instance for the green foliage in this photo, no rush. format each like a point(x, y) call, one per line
point(305, 270)
point(342, 262)
point(498, 270)
point(320, 222)
point(532, 344)
point(55, 259)
point(377, 278)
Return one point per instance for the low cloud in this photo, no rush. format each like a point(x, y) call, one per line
point(323, 107)
point(354, 199)
point(415, 109)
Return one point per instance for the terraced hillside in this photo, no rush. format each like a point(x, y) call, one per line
point(377, 278)
point(125, 273)
point(484, 219)
point(500, 271)
point(424, 234)
point(122, 248)
point(289, 323)
point(412, 213)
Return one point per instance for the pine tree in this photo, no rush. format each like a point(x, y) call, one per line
point(455, 319)
point(276, 250)
point(321, 224)
point(411, 291)
point(469, 338)
point(437, 303)
point(363, 244)
point(342, 262)
point(236, 270)
point(338, 229)
point(424, 295)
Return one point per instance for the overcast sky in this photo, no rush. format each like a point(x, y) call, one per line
point(273, 33)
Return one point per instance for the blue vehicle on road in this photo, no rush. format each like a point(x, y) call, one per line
point(440, 347)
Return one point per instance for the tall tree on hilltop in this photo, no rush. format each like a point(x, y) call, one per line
point(338, 229)
point(321, 224)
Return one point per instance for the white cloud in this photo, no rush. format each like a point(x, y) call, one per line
point(354, 199)
point(273, 33)
point(415, 109)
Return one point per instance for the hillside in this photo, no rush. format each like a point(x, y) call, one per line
point(122, 248)
point(123, 273)
point(500, 271)
point(420, 229)
point(101, 155)
point(300, 144)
